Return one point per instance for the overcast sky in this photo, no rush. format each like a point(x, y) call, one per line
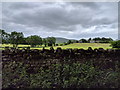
point(69, 20)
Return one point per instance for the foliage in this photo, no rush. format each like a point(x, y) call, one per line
point(51, 41)
point(69, 42)
point(16, 38)
point(115, 44)
point(74, 41)
point(103, 40)
point(44, 42)
point(89, 40)
point(56, 44)
point(59, 75)
point(4, 36)
point(34, 40)
point(61, 44)
point(83, 41)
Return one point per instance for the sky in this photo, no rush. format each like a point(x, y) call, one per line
point(72, 20)
point(119, 21)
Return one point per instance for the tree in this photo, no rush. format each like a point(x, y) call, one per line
point(97, 39)
point(103, 40)
point(51, 41)
point(106, 40)
point(69, 42)
point(44, 42)
point(89, 40)
point(34, 40)
point(74, 41)
point(24, 41)
point(5, 37)
point(83, 40)
point(16, 38)
point(115, 44)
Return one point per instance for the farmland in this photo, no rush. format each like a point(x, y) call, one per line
point(72, 46)
point(86, 45)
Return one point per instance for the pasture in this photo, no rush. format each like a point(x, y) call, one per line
point(72, 46)
point(86, 45)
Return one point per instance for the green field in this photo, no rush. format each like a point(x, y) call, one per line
point(10, 45)
point(86, 45)
point(73, 46)
point(82, 46)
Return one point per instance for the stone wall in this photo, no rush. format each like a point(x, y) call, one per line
point(36, 54)
point(99, 57)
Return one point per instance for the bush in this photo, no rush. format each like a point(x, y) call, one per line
point(61, 44)
point(56, 44)
point(66, 43)
point(67, 75)
point(115, 44)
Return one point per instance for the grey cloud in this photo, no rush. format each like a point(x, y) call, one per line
point(91, 5)
point(51, 17)
point(47, 18)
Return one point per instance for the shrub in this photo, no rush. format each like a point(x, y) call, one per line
point(61, 44)
point(56, 45)
point(66, 43)
point(115, 44)
point(67, 75)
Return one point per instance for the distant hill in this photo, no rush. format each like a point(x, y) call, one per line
point(62, 40)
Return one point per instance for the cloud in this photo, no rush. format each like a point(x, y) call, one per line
point(66, 19)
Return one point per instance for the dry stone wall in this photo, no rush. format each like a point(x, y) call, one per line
point(99, 57)
point(36, 54)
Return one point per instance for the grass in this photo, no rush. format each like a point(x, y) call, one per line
point(73, 46)
point(10, 45)
point(82, 45)
point(86, 45)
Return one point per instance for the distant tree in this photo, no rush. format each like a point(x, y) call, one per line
point(61, 44)
point(51, 41)
point(54, 40)
point(44, 41)
point(77, 41)
point(74, 41)
point(115, 44)
point(64, 44)
point(69, 42)
point(56, 44)
point(97, 39)
point(16, 38)
point(83, 40)
point(5, 37)
point(106, 40)
point(89, 40)
point(34, 40)
point(103, 40)
point(24, 41)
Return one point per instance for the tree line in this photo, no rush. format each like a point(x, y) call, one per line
point(17, 38)
point(94, 40)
